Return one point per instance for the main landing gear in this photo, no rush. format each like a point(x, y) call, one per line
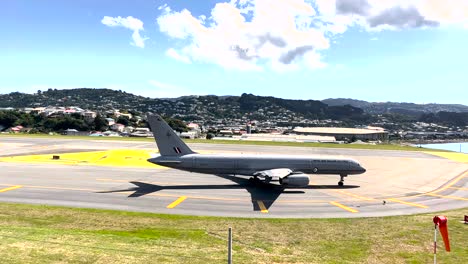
point(254, 180)
point(341, 182)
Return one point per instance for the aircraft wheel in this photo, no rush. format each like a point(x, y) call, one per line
point(340, 183)
point(315, 170)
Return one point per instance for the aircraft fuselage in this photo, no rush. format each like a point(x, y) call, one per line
point(248, 164)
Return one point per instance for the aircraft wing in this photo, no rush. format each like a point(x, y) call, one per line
point(273, 173)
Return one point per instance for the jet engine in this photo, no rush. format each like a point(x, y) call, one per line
point(298, 179)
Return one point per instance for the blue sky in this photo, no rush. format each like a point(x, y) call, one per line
point(408, 51)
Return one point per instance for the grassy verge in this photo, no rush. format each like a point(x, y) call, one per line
point(46, 234)
point(239, 142)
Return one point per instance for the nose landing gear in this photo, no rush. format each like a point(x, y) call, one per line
point(341, 182)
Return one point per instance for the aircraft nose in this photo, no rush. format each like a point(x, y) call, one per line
point(362, 170)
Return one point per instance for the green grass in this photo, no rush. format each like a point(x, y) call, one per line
point(243, 142)
point(47, 234)
point(57, 136)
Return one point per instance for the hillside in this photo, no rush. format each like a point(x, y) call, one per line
point(208, 107)
point(399, 108)
point(213, 109)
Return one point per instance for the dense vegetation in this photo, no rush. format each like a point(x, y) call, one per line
point(446, 118)
point(186, 108)
point(41, 123)
point(397, 108)
point(38, 123)
point(210, 109)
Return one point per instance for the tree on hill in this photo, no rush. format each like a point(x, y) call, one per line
point(99, 123)
point(123, 120)
point(177, 124)
point(8, 118)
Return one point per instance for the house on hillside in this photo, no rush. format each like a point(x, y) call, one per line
point(128, 129)
point(195, 130)
point(189, 135)
point(16, 129)
point(49, 111)
point(118, 114)
point(110, 121)
point(89, 115)
point(7, 108)
point(27, 110)
point(117, 127)
point(193, 126)
point(69, 111)
point(39, 110)
point(141, 132)
point(71, 132)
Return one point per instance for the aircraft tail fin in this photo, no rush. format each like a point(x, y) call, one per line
point(169, 144)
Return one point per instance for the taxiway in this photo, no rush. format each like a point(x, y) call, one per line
point(395, 183)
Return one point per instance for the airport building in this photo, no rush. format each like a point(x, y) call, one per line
point(342, 134)
point(281, 138)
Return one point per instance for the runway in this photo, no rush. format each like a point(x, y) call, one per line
point(395, 182)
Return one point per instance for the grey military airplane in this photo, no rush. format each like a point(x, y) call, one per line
point(288, 170)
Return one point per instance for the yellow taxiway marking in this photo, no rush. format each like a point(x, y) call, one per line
point(177, 202)
point(459, 188)
point(131, 191)
point(407, 203)
point(115, 157)
point(447, 196)
point(450, 184)
point(10, 188)
point(459, 157)
point(344, 207)
point(355, 195)
point(262, 207)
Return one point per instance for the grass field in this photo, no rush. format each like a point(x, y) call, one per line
point(240, 142)
point(46, 234)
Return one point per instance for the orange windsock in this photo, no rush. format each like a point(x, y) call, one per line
point(441, 221)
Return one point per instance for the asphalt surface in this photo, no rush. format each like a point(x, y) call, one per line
point(395, 183)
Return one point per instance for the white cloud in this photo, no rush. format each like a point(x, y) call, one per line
point(291, 34)
point(131, 23)
point(278, 33)
point(376, 15)
point(374, 38)
point(167, 90)
point(445, 12)
point(164, 7)
point(175, 55)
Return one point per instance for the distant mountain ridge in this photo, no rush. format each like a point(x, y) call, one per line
point(399, 108)
point(209, 107)
point(212, 108)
